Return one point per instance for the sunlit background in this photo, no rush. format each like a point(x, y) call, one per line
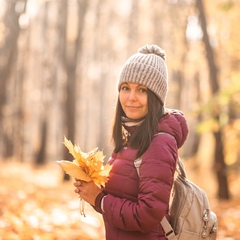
point(59, 67)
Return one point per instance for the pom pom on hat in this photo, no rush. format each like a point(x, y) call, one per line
point(147, 67)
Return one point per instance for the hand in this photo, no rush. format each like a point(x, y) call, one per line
point(88, 191)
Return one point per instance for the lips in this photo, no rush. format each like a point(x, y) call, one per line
point(132, 107)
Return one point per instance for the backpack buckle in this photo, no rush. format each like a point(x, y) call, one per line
point(170, 235)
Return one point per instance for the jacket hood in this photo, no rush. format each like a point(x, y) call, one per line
point(174, 123)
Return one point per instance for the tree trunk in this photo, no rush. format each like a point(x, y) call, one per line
point(7, 58)
point(220, 165)
point(70, 59)
point(41, 154)
point(133, 31)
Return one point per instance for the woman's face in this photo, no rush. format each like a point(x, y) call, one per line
point(133, 98)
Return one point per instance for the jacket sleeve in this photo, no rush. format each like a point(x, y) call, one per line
point(155, 182)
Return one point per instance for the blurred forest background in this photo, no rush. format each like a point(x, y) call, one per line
point(59, 67)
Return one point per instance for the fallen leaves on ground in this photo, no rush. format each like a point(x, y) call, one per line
point(36, 205)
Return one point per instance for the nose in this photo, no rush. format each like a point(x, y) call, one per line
point(132, 95)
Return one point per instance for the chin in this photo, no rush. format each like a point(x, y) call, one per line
point(134, 117)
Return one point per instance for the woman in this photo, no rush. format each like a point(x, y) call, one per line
point(133, 205)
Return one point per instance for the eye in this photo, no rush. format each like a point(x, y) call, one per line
point(124, 87)
point(142, 90)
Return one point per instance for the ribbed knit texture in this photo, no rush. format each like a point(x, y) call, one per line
point(98, 202)
point(148, 68)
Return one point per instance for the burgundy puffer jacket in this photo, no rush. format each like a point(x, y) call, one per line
point(134, 206)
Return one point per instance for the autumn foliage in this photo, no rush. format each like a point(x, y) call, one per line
point(86, 166)
point(35, 204)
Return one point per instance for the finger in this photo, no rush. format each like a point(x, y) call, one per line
point(77, 190)
point(77, 183)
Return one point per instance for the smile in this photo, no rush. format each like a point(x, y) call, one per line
point(132, 107)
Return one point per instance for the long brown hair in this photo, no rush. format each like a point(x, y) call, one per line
point(143, 134)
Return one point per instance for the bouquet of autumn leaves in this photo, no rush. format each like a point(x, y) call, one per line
point(86, 166)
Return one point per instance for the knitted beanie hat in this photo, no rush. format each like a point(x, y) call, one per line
point(147, 67)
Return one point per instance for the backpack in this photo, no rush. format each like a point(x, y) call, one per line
point(190, 215)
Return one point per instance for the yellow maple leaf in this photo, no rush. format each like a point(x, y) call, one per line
point(74, 170)
point(86, 166)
